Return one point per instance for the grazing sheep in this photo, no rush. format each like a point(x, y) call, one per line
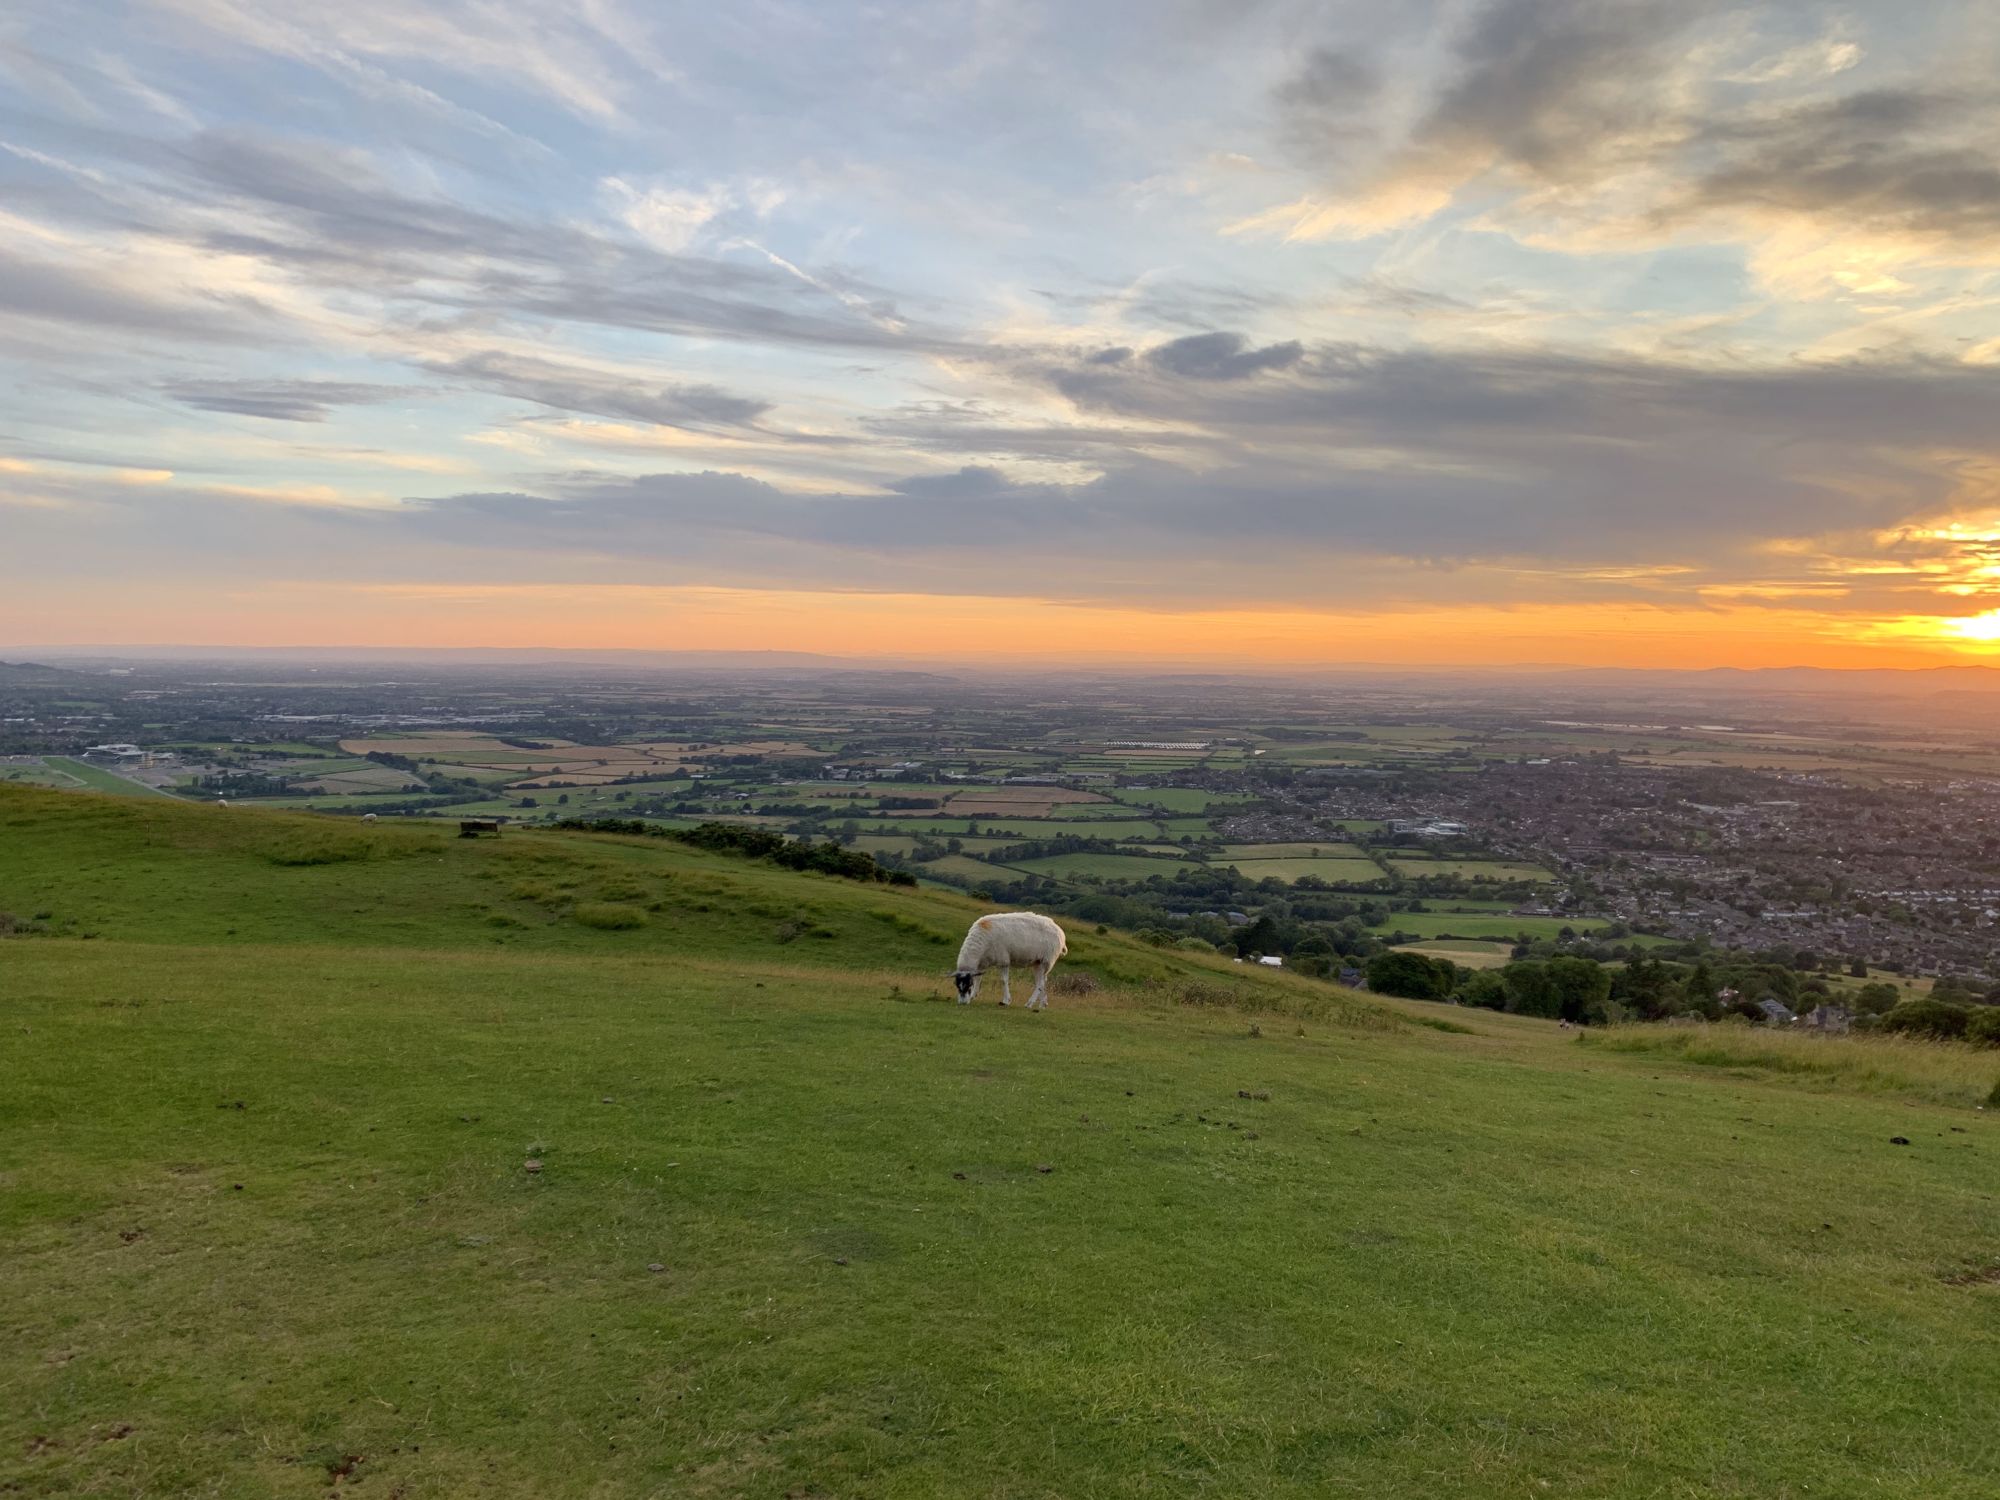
point(1000, 942)
point(368, 817)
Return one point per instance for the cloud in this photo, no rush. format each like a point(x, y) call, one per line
point(92, 292)
point(668, 219)
point(327, 213)
point(602, 393)
point(278, 400)
point(1630, 118)
point(1220, 356)
point(1898, 161)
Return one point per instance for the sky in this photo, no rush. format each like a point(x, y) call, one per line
point(1606, 332)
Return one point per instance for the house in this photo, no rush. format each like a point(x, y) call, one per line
point(1833, 1020)
point(1776, 1011)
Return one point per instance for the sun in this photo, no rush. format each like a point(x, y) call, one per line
point(1981, 627)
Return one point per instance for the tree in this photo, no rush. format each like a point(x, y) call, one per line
point(1582, 989)
point(1876, 998)
point(1926, 1018)
point(1858, 968)
point(1485, 988)
point(1261, 936)
point(1529, 992)
point(1645, 985)
point(1410, 975)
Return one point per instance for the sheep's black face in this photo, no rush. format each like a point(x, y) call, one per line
point(964, 982)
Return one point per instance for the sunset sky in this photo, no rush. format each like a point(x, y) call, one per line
point(1650, 334)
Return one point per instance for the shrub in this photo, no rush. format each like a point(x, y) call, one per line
point(1486, 989)
point(1926, 1018)
point(610, 917)
point(754, 843)
point(1413, 976)
point(1983, 1026)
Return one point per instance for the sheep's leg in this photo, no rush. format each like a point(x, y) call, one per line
point(1006, 985)
point(1039, 1000)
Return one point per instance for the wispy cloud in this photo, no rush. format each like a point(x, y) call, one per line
point(1684, 304)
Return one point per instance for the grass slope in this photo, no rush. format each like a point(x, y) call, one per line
point(267, 1226)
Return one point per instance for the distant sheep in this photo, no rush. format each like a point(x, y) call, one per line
point(1000, 942)
point(368, 817)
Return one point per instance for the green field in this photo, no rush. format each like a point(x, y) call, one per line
point(1177, 798)
point(1102, 866)
point(362, 802)
point(35, 773)
point(1332, 849)
point(884, 843)
point(100, 780)
point(1333, 871)
point(801, 1225)
point(1432, 924)
point(965, 867)
point(1020, 828)
point(1463, 952)
point(1467, 869)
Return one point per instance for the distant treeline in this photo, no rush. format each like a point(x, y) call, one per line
point(753, 843)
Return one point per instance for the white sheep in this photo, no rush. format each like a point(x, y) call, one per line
point(368, 817)
point(1000, 942)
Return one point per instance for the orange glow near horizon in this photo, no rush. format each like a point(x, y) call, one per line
point(947, 628)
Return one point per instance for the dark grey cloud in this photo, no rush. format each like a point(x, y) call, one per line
point(1559, 86)
point(567, 387)
point(1331, 80)
point(1341, 394)
point(1588, 94)
point(278, 400)
point(1322, 103)
point(1889, 158)
point(1221, 356)
point(1359, 456)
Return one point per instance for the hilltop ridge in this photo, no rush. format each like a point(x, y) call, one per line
point(566, 1165)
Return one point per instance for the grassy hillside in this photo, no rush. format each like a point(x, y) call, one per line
point(799, 1225)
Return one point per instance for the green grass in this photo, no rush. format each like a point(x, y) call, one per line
point(1946, 1072)
point(878, 843)
point(267, 1226)
point(98, 779)
point(37, 774)
point(1434, 924)
point(1467, 869)
point(1176, 798)
point(1330, 849)
point(1333, 871)
point(1468, 953)
point(965, 867)
point(1103, 866)
point(1021, 828)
